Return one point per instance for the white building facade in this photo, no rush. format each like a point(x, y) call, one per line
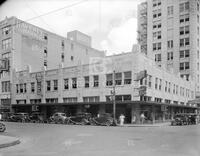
point(172, 35)
point(141, 86)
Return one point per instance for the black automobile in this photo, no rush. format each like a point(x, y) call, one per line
point(180, 119)
point(80, 119)
point(104, 119)
point(20, 117)
point(37, 117)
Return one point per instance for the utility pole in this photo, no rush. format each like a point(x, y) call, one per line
point(114, 101)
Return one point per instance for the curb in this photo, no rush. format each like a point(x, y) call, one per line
point(17, 141)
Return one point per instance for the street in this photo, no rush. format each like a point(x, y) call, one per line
point(62, 140)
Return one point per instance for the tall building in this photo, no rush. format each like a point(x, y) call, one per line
point(171, 30)
point(24, 45)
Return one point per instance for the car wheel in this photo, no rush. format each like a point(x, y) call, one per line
point(2, 127)
point(107, 123)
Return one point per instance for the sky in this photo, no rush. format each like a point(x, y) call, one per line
point(112, 24)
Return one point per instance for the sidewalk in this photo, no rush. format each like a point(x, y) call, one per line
point(148, 125)
point(6, 141)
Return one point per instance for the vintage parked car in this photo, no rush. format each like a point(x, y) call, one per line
point(181, 119)
point(59, 118)
point(104, 119)
point(80, 119)
point(20, 117)
point(37, 117)
point(2, 127)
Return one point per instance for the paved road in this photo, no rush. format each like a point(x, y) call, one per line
point(67, 140)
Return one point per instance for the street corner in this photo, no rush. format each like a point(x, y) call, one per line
point(7, 141)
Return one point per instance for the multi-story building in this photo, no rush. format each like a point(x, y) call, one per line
point(24, 45)
point(172, 33)
point(140, 86)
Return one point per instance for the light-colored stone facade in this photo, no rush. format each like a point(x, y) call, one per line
point(28, 46)
point(169, 24)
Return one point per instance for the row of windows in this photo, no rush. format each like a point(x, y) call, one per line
point(118, 78)
point(21, 88)
point(169, 86)
point(183, 54)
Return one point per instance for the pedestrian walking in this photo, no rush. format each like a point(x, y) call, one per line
point(121, 119)
point(142, 117)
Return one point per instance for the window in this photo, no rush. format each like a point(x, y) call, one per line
point(74, 82)
point(184, 18)
point(198, 18)
point(186, 76)
point(157, 57)
point(170, 44)
point(184, 30)
point(62, 57)
point(96, 80)
point(55, 84)
point(6, 44)
point(197, 6)
point(157, 35)
point(21, 89)
point(24, 87)
point(109, 79)
point(66, 83)
point(45, 63)
point(45, 37)
point(87, 81)
point(166, 86)
point(169, 87)
point(45, 52)
point(48, 83)
point(181, 66)
point(170, 56)
point(157, 13)
point(63, 45)
point(184, 53)
point(156, 83)
point(160, 84)
point(127, 77)
point(39, 87)
point(156, 46)
point(184, 7)
point(6, 30)
point(17, 88)
point(150, 81)
point(184, 66)
point(72, 58)
point(187, 65)
point(5, 86)
point(32, 87)
point(91, 99)
point(184, 42)
point(118, 78)
point(70, 99)
point(170, 10)
point(198, 54)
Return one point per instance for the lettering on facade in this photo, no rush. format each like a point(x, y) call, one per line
point(29, 30)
